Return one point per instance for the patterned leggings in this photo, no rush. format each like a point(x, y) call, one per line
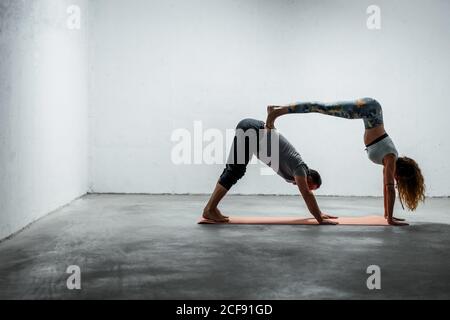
point(367, 109)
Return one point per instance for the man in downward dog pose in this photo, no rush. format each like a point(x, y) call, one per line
point(252, 138)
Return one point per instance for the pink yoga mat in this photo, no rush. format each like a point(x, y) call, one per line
point(359, 221)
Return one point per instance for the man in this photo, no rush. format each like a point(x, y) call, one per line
point(252, 138)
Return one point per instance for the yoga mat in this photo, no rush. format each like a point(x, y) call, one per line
point(346, 221)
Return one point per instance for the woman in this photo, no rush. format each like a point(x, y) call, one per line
point(379, 146)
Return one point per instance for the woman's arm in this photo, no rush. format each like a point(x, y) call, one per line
point(385, 192)
point(389, 190)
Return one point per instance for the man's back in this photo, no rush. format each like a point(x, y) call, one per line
point(287, 162)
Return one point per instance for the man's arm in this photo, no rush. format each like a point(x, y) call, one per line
point(310, 200)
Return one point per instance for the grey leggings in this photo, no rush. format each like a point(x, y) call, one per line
point(367, 109)
point(234, 169)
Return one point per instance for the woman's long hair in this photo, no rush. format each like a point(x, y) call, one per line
point(410, 182)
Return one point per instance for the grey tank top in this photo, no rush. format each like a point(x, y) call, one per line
point(288, 163)
point(377, 151)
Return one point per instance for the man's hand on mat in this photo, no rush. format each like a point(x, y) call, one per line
point(327, 216)
point(394, 222)
point(328, 222)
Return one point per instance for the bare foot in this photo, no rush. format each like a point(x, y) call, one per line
point(271, 116)
point(273, 112)
point(221, 214)
point(270, 109)
point(214, 215)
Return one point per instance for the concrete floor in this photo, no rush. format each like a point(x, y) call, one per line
point(150, 247)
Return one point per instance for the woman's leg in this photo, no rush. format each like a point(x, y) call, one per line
point(367, 109)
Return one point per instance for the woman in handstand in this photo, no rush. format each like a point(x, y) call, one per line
point(379, 146)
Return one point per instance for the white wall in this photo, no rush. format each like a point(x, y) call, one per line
point(156, 66)
point(43, 110)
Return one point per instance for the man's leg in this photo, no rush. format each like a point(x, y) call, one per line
point(235, 168)
point(230, 175)
point(211, 212)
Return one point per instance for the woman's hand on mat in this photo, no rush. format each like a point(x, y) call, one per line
point(393, 218)
point(327, 216)
point(394, 222)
